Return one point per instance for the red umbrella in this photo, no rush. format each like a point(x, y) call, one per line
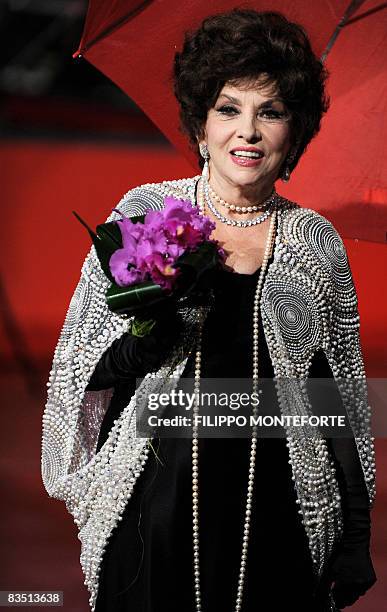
point(343, 174)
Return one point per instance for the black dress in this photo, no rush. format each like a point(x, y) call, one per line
point(148, 562)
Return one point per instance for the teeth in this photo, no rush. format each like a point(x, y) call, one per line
point(247, 154)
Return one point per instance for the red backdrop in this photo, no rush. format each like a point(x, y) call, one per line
point(42, 248)
point(43, 245)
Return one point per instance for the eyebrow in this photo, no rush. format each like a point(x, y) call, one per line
point(238, 102)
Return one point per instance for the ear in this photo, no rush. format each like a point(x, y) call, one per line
point(202, 137)
point(295, 146)
point(293, 150)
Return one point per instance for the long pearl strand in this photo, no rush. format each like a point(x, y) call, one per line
point(254, 437)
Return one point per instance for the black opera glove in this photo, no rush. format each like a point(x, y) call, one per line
point(131, 357)
point(350, 568)
point(353, 574)
point(352, 571)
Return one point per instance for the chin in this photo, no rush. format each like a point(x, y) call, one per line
point(244, 178)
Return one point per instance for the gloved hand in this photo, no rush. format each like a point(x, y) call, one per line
point(351, 569)
point(353, 574)
point(130, 357)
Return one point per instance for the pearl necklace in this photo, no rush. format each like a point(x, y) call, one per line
point(240, 209)
point(254, 438)
point(271, 203)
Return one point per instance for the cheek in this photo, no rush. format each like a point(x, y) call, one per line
point(279, 141)
point(285, 138)
point(218, 134)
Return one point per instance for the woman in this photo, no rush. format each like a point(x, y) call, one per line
point(278, 521)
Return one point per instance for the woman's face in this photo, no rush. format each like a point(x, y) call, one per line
point(248, 136)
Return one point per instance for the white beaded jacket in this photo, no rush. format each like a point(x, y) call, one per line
point(308, 303)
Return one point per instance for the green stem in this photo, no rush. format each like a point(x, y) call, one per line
point(155, 454)
point(141, 327)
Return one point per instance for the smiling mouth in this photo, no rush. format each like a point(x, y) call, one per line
point(247, 154)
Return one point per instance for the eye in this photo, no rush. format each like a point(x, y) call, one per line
point(270, 114)
point(227, 109)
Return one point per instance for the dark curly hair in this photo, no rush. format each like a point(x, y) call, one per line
point(246, 45)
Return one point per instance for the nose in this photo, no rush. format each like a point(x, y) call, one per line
point(248, 128)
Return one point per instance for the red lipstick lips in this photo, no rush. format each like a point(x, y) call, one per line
point(246, 156)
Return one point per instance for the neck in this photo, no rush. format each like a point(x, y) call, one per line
point(241, 195)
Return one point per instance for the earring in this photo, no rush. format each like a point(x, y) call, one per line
point(286, 174)
point(204, 152)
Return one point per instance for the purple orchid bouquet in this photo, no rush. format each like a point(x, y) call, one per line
point(151, 249)
point(166, 255)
